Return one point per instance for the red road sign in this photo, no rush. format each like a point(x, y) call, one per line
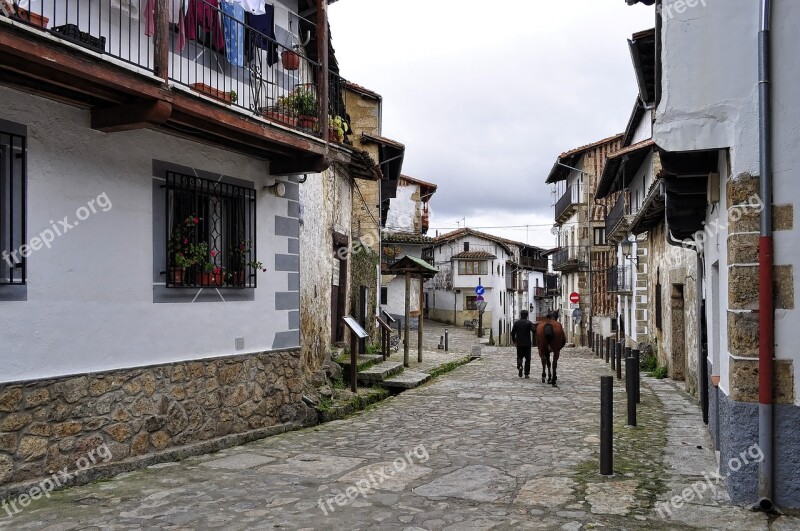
point(574, 298)
point(479, 298)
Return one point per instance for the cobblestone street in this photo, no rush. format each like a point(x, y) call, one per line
point(478, 448)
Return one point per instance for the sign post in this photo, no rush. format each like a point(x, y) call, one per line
point(357, 332)
point(481, 305)
point(574, 298)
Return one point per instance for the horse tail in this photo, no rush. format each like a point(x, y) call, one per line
point(549, 333)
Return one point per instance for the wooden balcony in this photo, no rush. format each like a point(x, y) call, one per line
point(133, 75)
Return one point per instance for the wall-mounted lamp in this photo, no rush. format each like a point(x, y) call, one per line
point(278, 189)
point(627, 248)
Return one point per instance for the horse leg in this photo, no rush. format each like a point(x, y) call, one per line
point(555, 366)
point(549, 374)
point(544, 366)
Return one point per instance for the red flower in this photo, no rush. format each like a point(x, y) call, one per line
point(213, 253)
point(217, 270)
point(185, 241)
point(196, 220)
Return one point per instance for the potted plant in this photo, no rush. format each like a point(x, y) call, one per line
point(24, 15)
point(303, 101)
point(182, 249)
point(234, 96)
point(217, 94)
point(209, 273)
point(239, 263)
point(337, 128)
point(290, 60)
point(282, 113)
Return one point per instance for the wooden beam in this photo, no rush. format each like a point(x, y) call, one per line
point(130, 116)
point(298, 165)
point(161, 40)
point(407, 319)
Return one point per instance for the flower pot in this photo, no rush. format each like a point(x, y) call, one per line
point(332, 137)
point(237, 278)
point(34, 19)
point(209, 279)
point(290, 60)
point(177, 275)
point(307, 122)
point(281, 118)
point(217, 94)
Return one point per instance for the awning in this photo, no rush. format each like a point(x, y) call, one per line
point(685, 177)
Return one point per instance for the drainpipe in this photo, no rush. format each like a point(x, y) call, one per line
point(766, 310)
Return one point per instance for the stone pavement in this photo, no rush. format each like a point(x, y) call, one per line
point(478, 448)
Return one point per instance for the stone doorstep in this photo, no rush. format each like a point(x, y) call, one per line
point(406, 380)
point(363, 360)
point(380, 371)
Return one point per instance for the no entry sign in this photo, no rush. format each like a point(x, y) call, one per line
point(574, 298)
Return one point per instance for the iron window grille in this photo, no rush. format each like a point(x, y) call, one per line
point(13, 167)
point(211, 234)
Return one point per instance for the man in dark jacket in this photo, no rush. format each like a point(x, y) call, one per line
point(523, 334)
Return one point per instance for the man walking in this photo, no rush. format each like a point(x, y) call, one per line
point(522, 335)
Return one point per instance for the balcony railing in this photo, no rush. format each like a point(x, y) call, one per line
point(571, 198)
point(534, 263)
point(616, 215)
point(551, 283)
point(620, 279)
point(569, 257)
point(217, 52)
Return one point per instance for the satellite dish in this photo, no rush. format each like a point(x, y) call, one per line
point(554, 230)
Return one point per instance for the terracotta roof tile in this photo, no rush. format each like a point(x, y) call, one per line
point(474, 255)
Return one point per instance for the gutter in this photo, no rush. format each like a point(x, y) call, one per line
point(766, 305)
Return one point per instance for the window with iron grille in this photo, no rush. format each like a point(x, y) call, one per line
point(471, 302)
point(211, 234)
point(658, 306)
point(12, 201)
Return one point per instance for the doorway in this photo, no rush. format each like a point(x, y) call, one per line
point(678, 333)
point(338, 287)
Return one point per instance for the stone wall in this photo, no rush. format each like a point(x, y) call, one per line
point(743, 291)
point(46, 425)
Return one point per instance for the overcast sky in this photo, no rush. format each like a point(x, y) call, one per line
point(485, 99)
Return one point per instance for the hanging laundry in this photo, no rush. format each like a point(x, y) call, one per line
point(204, 16)
point(233, 24)
point(127, 7)
point(263, 36)
point(256, 7)
point(177, 17)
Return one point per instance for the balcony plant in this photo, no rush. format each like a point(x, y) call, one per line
point(290, 60)
point(303, 102)
point(282, 112)
point(337, 128)
point(182, 249)
point(209, 272)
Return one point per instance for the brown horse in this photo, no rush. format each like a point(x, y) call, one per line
point(550, 337)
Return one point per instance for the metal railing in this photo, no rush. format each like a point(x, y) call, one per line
point(615, 216)
point(211, 234)
point(620, 279)
point(117, 28)
point(216, 50)
point(569, 257)
point(570, 198)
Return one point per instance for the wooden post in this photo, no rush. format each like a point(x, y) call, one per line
point(353, 362)
point(421, 318)
point(161, 39)
point(407, 319)
point(322, 57)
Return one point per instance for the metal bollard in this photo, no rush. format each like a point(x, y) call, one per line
point(608, 348)
point(614, 357)
point(619, 361)
point(627, 353)
point(637, 388)
point(630, 387)
point(445, 340)
point(606, 425)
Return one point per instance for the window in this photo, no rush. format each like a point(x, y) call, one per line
point(466, 247)
point(599, 236)
point(211, 233)
point(472, 267)
point(471, 302)
point(384, 296)
point(12, 202)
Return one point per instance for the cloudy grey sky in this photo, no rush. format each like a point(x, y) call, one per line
point(486, 95)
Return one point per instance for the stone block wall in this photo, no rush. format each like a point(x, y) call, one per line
point(46, 425)
point(744, 209)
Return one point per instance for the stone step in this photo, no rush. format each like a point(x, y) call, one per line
point(380, 372)
point(364, 361)
point(406, 380)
